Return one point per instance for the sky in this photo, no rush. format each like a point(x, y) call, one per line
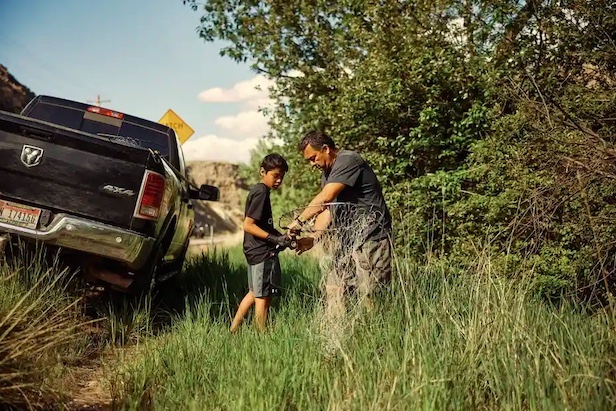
point(143, 56)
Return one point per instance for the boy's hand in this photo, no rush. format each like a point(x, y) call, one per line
point(304, 244)
point(280, 240)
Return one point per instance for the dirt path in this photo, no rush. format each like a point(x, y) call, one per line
point(198, 246)
point(92, 391)
point(92, 387)
point(88, 382)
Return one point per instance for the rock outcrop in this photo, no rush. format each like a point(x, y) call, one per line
point(13, 95)
point(227, 214)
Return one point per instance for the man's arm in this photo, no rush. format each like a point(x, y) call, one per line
point(329, 192)
point(322, 222)
point(344, 173)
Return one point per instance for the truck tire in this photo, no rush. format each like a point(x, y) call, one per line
point(175, 268)
point(145, 279)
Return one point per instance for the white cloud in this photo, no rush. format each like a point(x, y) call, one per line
point(252, 91)
point(295, 73)
point(258, 103)
point(242, 129)
point(244, 124)
point(252, 95)
point(214, 148)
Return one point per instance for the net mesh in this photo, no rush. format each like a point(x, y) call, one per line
point(338, 246)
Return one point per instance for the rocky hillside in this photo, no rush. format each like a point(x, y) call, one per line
point(13, 95)
point(225, 215)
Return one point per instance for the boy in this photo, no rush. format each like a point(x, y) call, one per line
point(260, 243)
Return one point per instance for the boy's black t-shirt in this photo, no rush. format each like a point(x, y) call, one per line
point(259, 208)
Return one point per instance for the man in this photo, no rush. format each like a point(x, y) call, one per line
point(348, 179)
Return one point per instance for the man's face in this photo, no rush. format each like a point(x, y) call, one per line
point(321, 159)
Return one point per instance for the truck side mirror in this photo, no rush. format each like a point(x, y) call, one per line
point(206, 193)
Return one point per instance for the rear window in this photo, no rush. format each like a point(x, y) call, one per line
point(124, 131)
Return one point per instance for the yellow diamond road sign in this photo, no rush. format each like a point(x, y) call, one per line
point(172, 120)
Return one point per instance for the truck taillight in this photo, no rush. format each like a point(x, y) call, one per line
point(106, 112)
point(151, 197)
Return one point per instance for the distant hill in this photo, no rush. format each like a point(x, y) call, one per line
point(225, 215)
point(13, 95)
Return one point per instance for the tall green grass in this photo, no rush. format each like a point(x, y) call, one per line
point(436, 340)
point(439, 339)
point(40, 330)
point(52, 333)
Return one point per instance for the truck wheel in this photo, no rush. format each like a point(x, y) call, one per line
point(174, 269)
point(145, 279)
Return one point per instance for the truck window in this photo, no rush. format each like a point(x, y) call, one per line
point(99, 124)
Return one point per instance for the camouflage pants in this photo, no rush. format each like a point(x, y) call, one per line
point(361, 270)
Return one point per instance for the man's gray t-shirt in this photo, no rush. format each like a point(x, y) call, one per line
point(361, 188)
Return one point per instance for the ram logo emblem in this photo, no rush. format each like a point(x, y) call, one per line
point(31, 156)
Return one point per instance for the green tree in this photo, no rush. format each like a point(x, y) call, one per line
point(394, 81)
point(490, 122)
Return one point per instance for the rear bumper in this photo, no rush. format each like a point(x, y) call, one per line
point(91, 237)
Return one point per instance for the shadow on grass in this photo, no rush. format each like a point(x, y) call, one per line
point(216, 278)
point(219, 279)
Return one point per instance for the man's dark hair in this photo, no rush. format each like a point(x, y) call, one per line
point(317, 139)
point(274, 160)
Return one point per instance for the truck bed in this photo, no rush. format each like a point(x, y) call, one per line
point(61, 170)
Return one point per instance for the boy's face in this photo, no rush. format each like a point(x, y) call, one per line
point(273, 178)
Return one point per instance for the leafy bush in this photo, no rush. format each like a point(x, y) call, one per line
point(490, 123)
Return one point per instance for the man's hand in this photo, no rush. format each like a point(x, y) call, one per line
point(294, 228)
point(304, 244)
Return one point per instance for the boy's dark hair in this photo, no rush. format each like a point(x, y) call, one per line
point(274, 160)
point(317, 139)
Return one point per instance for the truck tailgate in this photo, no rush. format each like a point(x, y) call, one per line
point(61, 170)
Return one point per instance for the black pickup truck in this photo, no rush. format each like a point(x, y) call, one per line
point(105, 187)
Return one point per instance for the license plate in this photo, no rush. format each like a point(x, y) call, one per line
point(19, 215)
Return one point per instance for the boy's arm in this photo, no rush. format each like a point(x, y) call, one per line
point(251, 227)
point(255, 209)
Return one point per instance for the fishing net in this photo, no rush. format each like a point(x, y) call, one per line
point(337, 248)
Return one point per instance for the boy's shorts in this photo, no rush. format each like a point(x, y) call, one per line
point(264, 278)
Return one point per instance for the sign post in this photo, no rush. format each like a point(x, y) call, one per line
point(172, 120)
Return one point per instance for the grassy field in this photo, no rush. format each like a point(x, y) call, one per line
point(42, 332)
point(437, 340)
